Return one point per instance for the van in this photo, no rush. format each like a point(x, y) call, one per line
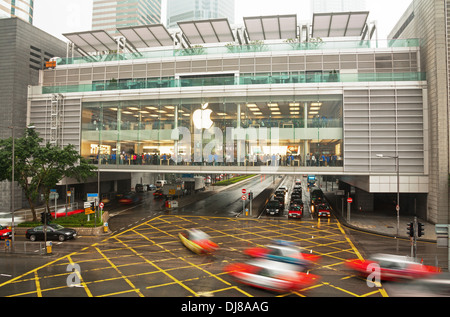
point(160, 183)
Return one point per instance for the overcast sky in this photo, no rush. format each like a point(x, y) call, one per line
point(64, 16)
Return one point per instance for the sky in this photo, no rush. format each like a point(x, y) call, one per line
point(65, 16)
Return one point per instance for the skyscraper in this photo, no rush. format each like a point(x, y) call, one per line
point(189, 10)
point(109, 15)
point(322, 6)
point(22, 9)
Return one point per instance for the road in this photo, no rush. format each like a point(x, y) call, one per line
point(144, 257)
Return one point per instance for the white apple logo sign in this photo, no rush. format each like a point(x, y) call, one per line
point(202, 117)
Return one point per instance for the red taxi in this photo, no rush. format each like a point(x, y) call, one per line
point(392, 267)
point(323, 210)
point(5, 233)
point(271, 275)
point(284, 251)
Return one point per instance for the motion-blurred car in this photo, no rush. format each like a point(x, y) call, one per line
point(434, 286)
point(158, 194)
point(273, 208)
point(285, 252)
point(323, 210)
point(5, 233)
point(271, 275)
point(198, 241)
point(129, 198)
point(54, 232)
point(392, 267)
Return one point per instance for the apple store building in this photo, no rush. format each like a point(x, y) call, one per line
point(320, 98)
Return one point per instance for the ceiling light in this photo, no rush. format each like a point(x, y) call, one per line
point(316, 104)
point(294, 104)
point(257, 113)
point(127, 112)
point(151, 108)
point(161, 111)
point(252, 105)
point(272, 105)
point(276, 112)
point(295, 108)
point(143, 111)
point(133, 108)
point(314, 112)
point(221, 114)
point(295, 112)
point(170, 107)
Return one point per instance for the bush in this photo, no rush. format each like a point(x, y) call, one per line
point(233, 180)
point(78, 220)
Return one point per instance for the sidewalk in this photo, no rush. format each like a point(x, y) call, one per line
point(379, 221)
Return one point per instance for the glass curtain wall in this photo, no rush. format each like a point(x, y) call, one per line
point(244, 131)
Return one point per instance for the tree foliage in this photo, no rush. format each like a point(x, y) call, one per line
point(37, 168)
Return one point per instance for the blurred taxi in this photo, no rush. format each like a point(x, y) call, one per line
point(271, 275)
point(392, 267)
point(283, 251)
point(197, 241)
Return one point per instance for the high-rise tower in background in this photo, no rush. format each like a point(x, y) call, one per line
point(322, 6)
point(22, 9)
point(189, 10)
point(109, 15)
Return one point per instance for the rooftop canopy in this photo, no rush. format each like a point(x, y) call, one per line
point(207, 31)
point(143, 36)
point(339, 24)
point(92, 41)
point(275, 27)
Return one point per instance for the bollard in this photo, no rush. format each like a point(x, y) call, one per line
point(49, 247)
point(105, 227)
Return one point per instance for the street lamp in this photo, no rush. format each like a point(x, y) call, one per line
point(12, 183)
point(397, 168)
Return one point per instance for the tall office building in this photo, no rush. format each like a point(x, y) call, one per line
point(321, 6)
point(22, 9)
point(109, 15)
point(189, 10)
point(428, 20)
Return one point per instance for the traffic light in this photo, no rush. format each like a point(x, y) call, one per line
point(92, 206)
point(410, 229)
point(250, 196)
point(420, 229)
point(46, 217)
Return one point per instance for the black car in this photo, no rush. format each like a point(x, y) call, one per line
point(54, 232)
point(273, 208)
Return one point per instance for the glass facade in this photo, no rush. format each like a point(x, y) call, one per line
point(221, 131)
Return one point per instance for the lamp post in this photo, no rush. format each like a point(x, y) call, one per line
point(397, 168)
point(13, 207)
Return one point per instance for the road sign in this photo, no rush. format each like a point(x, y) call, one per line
point(88, 211)
point(244, 191)
point(349, 200)
point(244, 197)
point(87, 204)
point(101, 205)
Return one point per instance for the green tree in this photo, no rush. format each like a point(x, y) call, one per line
point(39, 168)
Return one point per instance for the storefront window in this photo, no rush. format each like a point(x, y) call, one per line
point(250, 131)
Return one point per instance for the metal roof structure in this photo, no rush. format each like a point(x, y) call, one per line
point(143, 36)
point(207, 31)
point(92, 41)
point(275, 27)
point(340, 24)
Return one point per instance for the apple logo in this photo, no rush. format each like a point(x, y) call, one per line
point(202, 117)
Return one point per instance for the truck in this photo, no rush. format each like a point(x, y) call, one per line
point(194, 184)
point(175, 190)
